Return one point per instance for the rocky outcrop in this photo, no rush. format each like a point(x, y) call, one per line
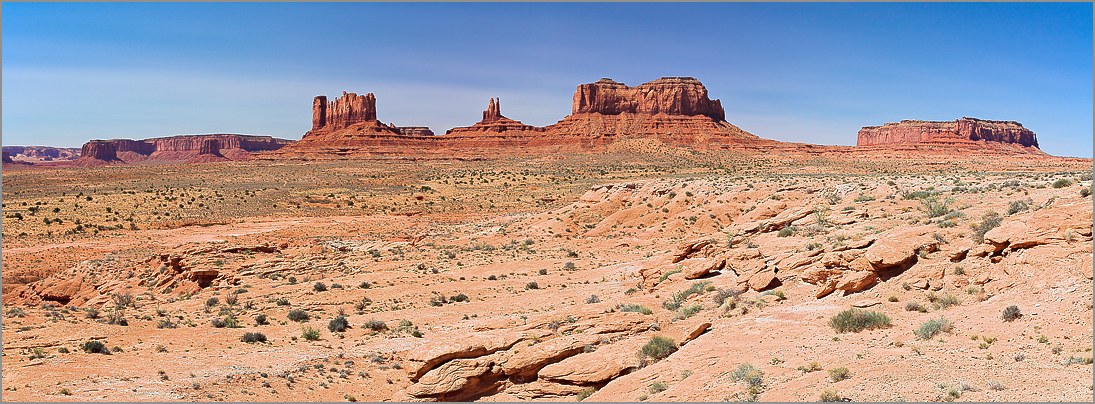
point(667, 95)
point(493, 123)
point(415, 130)
point(41, 153)
point(674, 110)
point(7, 158)
point(184, 148)
point(964, 130)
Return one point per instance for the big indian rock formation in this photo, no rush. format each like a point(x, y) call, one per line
point(177, 149)
point(964, 131)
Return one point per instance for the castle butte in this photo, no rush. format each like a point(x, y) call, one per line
point(183, 149)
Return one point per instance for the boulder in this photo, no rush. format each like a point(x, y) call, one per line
point(695, 268)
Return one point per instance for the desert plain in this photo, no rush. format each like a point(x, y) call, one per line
point(639, 272)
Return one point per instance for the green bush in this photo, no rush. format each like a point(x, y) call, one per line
point(658, 348)
point(310, 334)
point(586, 392)
point(657, 387)
point(749, 374)
point(989, 221)
point(634, 308)
point(855, 320)
point(932, 327)
point(838, 374)
point(1061, 183)
point(786, 232)
point(1017, 206)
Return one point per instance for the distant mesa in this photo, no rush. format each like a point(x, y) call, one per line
point(966, 131)
point(34, 154)
point(180, 149)
point(349, 122)
point(7, 158)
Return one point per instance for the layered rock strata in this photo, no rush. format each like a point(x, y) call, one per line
point(960, 131)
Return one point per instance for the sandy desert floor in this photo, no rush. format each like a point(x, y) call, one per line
point(603, 277)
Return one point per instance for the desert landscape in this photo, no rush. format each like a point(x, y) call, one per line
point(641, 248)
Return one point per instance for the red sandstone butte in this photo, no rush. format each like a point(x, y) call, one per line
point(675, 110)
point(961, 131)
point(183, 148)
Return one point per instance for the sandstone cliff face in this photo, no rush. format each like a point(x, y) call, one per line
point(415, 130)
point(667, 95)
point(344, 111)
point(964, 130)
point(193, 148)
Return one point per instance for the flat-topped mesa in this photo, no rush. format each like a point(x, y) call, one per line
point(493, 122)
point(667, 95)
point(965, 130)
point(673, 110)
point(182, 148)
point(415, 130)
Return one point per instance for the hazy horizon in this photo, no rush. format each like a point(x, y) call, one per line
point(812, 73)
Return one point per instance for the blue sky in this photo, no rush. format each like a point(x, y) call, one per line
point(794, 72)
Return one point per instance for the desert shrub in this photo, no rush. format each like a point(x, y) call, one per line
point(634, 308)
point(786, 232)
point(1017, 206)
point(915, 306)
point(166, 323)
point(376, 325)
point(658, 348)
point(829, 396)
point(1085, 192)
point(212, 301)
point(310, 334)
point(946, 301)
point(569, 266)
point(261, 319)
point(657, 387)
point(253, 337)
point(232, 299)
point(749, 374)
point(593, 299)
point(319, 287)
point(1061, 183)
point(459, 298)
point(364, 285)
point(686, 312)
point(532, 285)
point(989, 221)
point(855, 320)
point(722, 295)
point(282, 301)
point(933, 207)
point(917, 195)
point(932, 327)
point(813, 366)
point(838, 374)
point(586, 392)
point(338, 324)
point(95, 347)
point(667, 274)
point(675, 302)
point(1012, 313)
point(298, 315)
